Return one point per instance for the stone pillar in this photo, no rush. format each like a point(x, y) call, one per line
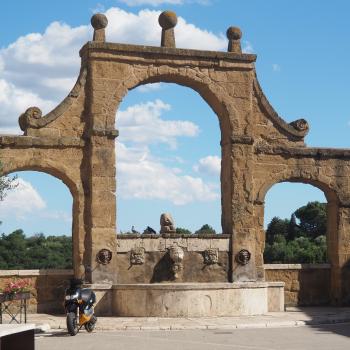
point(99, 175)
point(226, 183)
point(244, 232)
point(339, 252)
point(259, 239)
point(100, 215)
point(78, 234)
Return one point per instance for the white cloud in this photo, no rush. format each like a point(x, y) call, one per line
point(247, 47)
point(40, 68)
point(143, 28)
point(143, 177)
point(22, 200)
point(151, 2)
point(210, 165)
point(148, 87)
point(156, 3)
point(276, 67)
point(56, 215)
point(14, 101)
point(141, 124)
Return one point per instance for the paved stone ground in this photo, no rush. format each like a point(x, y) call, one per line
point(325, 337)
point(292, 317)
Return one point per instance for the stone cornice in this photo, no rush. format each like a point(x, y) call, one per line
point(296, 266)
point(216, 58)
point(171, 236)
point(14, 141)
point(110, 133)
point(309, 152)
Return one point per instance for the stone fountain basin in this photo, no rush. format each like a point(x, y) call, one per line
point(190, 299)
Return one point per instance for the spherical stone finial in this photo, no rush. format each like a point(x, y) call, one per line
point(99, 21)
point(167, 19)
point(233, 33)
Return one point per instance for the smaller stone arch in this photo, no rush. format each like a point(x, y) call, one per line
point(329, 192)
point(51, 168)
point(47, 168)
point(333, 236)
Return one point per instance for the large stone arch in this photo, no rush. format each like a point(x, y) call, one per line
point(216, 98)
point(212, 94)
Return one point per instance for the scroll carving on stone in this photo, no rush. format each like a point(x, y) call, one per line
point(211, 256)
point(176, 255)
point(137, 256)
point(104, 256)
point(300, 125)
point(167, 224)
point(243, 257)
point(32, 113)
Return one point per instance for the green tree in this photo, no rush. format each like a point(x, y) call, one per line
point(293, 228)
point(313, 219)
point(183, 231)
point(6, 183)
point(36, 252)
point(289, 242)
point(276, 227)
point(206, 230)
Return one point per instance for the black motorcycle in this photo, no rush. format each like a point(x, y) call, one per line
point(79, 308)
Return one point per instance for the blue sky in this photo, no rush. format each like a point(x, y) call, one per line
point(303, 66)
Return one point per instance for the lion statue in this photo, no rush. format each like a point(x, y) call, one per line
point(167, 224)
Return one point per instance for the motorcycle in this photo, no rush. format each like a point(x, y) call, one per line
point(79, 307)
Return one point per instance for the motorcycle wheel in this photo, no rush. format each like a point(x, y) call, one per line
point(72, 325)
point(90, 326)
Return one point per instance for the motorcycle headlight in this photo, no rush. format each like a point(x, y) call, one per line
point(72, 297)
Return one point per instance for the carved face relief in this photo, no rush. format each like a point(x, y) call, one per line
point(176, 254)
point(104, 256)
point(243, 257)
point(137, 256)
point(211, 256)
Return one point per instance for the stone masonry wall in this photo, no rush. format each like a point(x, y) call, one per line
point(47, 290)
point(157, 263)
point(305, 284)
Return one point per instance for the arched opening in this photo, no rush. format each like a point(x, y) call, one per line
point(295, 218)
point(168, 159)
point(300, 235)
point(36, 223)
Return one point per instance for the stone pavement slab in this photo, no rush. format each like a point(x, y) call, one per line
point(291, 318)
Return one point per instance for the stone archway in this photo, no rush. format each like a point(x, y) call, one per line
point(258, 147)
point(214, 96)
point(57, 170)
point(332, 240)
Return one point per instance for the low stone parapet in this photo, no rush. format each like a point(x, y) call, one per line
point(196, 299)
point(305, 284)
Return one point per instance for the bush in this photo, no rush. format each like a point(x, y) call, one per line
point(206, 230)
